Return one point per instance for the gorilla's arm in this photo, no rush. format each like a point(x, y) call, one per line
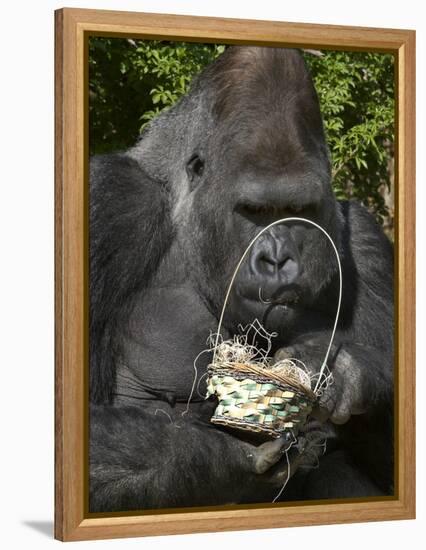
point(364, 366)
point(130, 231)
point(143, 458)
point(361, 358)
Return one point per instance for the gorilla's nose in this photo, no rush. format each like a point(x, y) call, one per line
point(281, 266)
point(277, 259)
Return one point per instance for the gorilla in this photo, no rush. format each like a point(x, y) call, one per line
point(169, 220)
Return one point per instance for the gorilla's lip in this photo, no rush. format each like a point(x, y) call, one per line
point(262, 309)
point(286, 297)
point(272, 315)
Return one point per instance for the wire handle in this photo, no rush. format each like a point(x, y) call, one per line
point(247, 250)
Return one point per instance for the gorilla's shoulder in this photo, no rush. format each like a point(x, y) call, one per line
point(115, 167)
point(357, 214)
point(360, 223)
point(111, 161)
point(366, 243)
point(119, 184)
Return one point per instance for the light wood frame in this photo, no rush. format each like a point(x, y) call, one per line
point(73, 26)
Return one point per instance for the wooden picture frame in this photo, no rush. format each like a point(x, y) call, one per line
point(73, 26)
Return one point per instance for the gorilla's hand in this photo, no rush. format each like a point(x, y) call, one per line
point(272, 469)
point(266, 455)
point(345, 394)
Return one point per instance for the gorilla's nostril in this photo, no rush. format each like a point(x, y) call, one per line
point(277, 263)
point(266, 265)
point(282, 263)
point(268, 260)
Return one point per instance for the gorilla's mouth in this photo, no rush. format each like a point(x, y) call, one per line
point(285, 299)
point(274, 311)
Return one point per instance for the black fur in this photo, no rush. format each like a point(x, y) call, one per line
point(169, 220)
point(130, 231)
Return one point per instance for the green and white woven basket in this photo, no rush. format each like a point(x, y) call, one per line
point(258, 405)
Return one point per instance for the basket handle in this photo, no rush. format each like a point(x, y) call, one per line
point(247, 250)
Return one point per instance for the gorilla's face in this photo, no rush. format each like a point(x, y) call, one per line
point(265, 159)
point(246, 147)
point(285, 268)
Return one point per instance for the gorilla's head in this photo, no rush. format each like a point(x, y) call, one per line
point(243, 148)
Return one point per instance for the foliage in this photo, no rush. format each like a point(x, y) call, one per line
point(356, 93)
point(130, 82)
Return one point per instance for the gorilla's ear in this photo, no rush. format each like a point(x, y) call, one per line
point(195, 169)
point(169, 148)
point(130, 230)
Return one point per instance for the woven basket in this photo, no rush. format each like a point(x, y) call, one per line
point(256, 404)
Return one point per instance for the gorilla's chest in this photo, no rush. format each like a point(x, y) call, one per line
point(167, 330)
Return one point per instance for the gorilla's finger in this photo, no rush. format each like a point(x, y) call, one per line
point(268, 454)
point(284, 353)
point(341, 414)
point(328, 400)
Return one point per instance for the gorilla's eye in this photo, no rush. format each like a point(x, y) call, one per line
point(195, 167)
point(261, 214)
